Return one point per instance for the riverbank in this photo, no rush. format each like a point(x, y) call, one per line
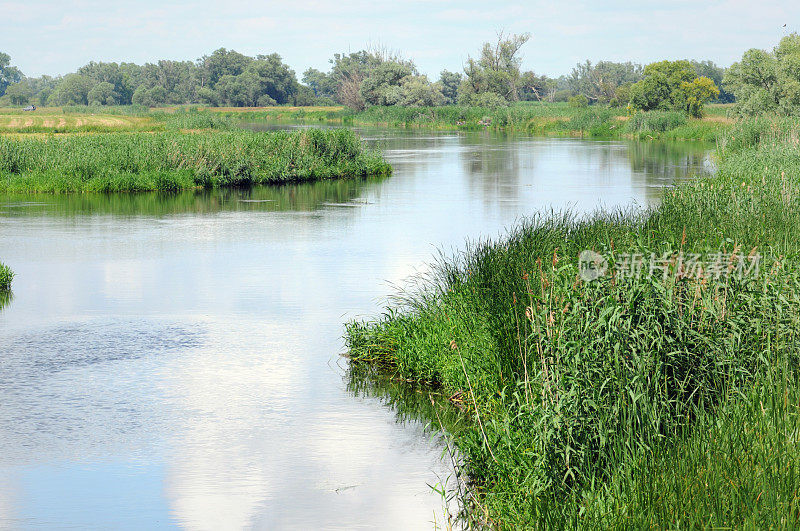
point(542, 119)
point(663, 395)
point(180, 160)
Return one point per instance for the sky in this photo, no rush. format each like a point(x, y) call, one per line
point(57, 36)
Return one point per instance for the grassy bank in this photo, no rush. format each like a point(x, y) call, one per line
point(544, 119)
point(117, 162)
point(652, 400)
point(548, 119)
point(6, 276)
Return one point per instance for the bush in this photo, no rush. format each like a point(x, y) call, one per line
point(578, 101)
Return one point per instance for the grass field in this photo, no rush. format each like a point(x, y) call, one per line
point(59, 121)
point(644, 401)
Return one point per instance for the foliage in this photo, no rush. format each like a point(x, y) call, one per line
point(578, 101)
point(450, 81)
point(716, 74)
point(537, 88)
point(73, 89)
point(8, 74)
point(767, 82)
point(495, 72)
point(672, 85)
point(103, 94)
point(696, 93)
point(600, 82)
point(19, 93)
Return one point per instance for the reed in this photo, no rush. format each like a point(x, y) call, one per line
point(587, 397)
point(122, 162)
point(551, 119)
point(6, 276)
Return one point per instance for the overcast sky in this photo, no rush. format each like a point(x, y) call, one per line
point(56, 37)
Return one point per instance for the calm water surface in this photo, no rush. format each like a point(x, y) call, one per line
point(173, 360)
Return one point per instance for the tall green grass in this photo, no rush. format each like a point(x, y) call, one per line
point(556, 119)
point(117, 162)
point(6, 276)
point(587, 396)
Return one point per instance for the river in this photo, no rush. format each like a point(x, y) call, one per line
point(174, 359)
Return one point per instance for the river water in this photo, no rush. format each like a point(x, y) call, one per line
point(174, 360)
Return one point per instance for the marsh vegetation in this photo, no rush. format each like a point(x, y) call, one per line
point(119, 162)
point(623, 401)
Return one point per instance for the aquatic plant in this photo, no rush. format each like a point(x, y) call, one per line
point(117, 162)
point(525, 117)
point(587, 397)
point(6, 276)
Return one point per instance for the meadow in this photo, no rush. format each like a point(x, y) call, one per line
point(666, 398)
point(179, 160)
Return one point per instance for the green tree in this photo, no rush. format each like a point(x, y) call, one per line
point(450, 82)
point(767, 82)
point(73, 89)
point(497, 71)
point(19, 93)
point(207, 96)
point(321, 83)
point(8, 74)
point(666, 86)
point(41, 88)
point(103, 94)
point(221, 63)
point(600, 82)
point(536, 88)
point(716, 74)
point(696, 93)
point(150, 97)
point(417, 91)
point(383, 84)
point(109, 73)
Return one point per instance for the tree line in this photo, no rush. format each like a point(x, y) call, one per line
point(762, 81)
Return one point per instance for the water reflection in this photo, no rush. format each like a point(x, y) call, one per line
point(172, 359)
point(409, 402)
point(5, 298)
point(302, 197)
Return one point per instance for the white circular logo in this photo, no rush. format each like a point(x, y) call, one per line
point(591, 265)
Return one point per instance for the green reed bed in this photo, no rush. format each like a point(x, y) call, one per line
point(547, 119)
point(6, 276)
point(118, 162)
point(656, 400)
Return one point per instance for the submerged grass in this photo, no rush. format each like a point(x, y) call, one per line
point(656, 400)
point(118, 162)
